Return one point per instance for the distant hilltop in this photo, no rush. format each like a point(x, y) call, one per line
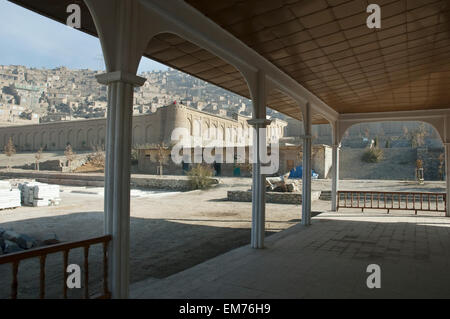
point(60, 94)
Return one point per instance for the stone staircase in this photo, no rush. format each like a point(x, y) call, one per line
point(325, 195)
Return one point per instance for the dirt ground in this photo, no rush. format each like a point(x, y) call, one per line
point(169, 233)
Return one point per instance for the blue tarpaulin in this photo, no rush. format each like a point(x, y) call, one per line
point(297, 172)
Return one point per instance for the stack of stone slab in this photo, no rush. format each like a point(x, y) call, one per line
point(9, 197)
point(12, 242)
point(39, 194)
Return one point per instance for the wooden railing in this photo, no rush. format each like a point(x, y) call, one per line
point(434, 202)
point(15, 258)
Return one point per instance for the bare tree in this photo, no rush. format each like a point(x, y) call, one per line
point(405, 132)
point(441, 166)
point(70, 155)
point(98, 157)
point(162, 156)
point(421, 134)
point(38, 157)
point(10, 150)
point(367, 132)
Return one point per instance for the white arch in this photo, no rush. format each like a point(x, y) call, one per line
point(436, 118)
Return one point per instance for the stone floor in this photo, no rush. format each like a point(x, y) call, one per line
point(329, 259)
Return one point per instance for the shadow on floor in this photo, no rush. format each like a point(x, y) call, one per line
point(159, 248)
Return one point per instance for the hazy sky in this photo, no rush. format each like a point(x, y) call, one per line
point(29, 39)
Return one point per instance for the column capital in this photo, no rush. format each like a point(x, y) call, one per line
point(259, 122)
point(336, 145)
point(120, 76)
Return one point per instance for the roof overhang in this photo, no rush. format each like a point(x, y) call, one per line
point(325, 47)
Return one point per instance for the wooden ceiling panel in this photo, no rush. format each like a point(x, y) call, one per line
point(336, 57)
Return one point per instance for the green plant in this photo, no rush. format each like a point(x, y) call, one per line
point(200, 177)
point(388, 143)
point(372, 155)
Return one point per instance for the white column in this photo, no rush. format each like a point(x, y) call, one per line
point(258, 183)
point(335, 176)
point(257, 86)
point(117, 175)
point(447, 176)
point(307, 167)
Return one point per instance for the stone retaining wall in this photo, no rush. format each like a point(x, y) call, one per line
point(271, 197)
point(177, 183)
point(159, 183)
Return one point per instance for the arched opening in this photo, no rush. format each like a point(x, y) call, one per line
point(137, 137)
point(61, 140)
point(81, 140)
point(91, 139)
point(190, 128)
point(399, 145)
point(197, 128)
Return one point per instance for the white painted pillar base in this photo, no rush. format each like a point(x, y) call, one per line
point(117, 176)
point(335, 177)
point(447, 176)
point(258, 184)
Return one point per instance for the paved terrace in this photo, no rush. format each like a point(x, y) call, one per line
point(327, 260)
point(356, 185)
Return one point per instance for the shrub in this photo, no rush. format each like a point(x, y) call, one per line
point(372, 155)
point(70, 155)
point(134, 156)
point(200, 177)
point(97, 158)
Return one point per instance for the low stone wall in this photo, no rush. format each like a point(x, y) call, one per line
point(58, 165)
point(271, 197)
point(176, 183)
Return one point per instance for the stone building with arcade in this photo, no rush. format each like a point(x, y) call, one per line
point(148, 129)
